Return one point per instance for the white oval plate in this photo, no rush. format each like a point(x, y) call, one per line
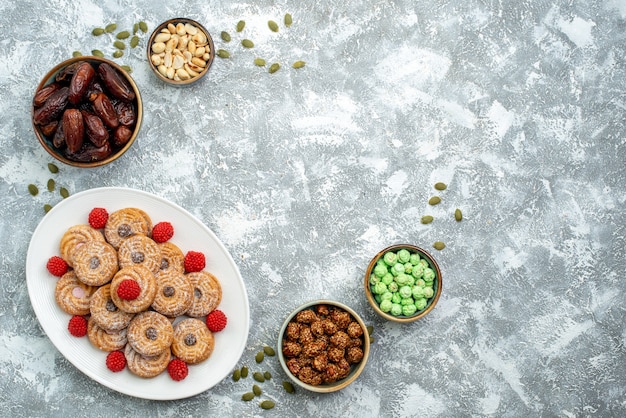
point(189, 234)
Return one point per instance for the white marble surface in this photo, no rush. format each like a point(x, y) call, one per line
point(304, 175)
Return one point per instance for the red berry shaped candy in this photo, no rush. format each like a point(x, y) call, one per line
point(116, 361)
point(216, 320)
point(128, 290)
point(56, 266)
point(162, 232)
point(98, 218)
point(77, 326)
point(194, 261)
point(177, 369)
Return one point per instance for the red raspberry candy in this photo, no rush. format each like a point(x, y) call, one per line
point(194, 261)
point(116, 361)
point(177, 369)
point(162, 231)
point(56, 266)
point(98, 218)
point(77, 326)
point(216, 321)
point(128, 290)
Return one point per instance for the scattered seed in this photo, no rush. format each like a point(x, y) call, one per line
point(222, 53)
point(97, 53)
point(32, 189)
point(47, 208)
point(256, 389)
point(259, 356)
point(269, 351)
point(274, 67)
point(244, 372)
point(240, 25)
point(370, 330)
point(288, 20)
point(260, 62)
point(438, 245)
point(97, 31)
point(426, 219)
point(123, 34)
point(225, 36)
point(298, 64)
point(118, 54)
point(110, 27)
point(435, 200)
point(143, 27)
point(64, 193)
point(247, 43)
point(248, 396)
point(119, 45)
point(288, 387)
point(458, 215)
point(236, 375)
point(267, 375)
point(272, 25)
point(258, 376)
point(134, 41)
point(77, 54)
point(267, 404)
point(51, 185)
point(127, 69)
point(441, 186)
point(372, 339)
point(135, 28)
point(53, 168)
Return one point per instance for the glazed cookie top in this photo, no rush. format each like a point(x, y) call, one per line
point(207, 293)
point(125, 223)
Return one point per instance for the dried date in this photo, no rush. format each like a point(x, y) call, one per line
point(95, 130)
point(66, 73)
point(90, 153)
point(58, 140)
point(74, 129)
point(115, 83)
point(104, 108)
point(50, 128)
point(80, 82)
point(126, 113)
point(52, 108)
point(122, 136)
point(44, 93)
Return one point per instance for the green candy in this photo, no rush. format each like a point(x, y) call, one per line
point(396, 298)
point(428, 292)
point(420, 304)
point(420, 283)
point(402, 279)
point(429, 275)
point(407, 301)
point(418, 270)
point(386, 296)
point(380, 270)
point(387, 279)
point(386, 305)
point(408, 310)
point(417, 292)
point(390, 258)
point(404, 256)
point(393, 287)
point(408, 268)
point(396, 309)
point(415, 258)
point(380, 288)
point(374, 279)
point(405, 292)
point(378, 299)
point(397, 269)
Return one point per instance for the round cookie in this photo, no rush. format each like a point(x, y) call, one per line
point(140, 250)
point(72, 295)
point(126, 222)
point(150, 333)
point(74, 237)
point(193, 341)
point(147, 284)
point(95, 263)
point(207, 293)
point(105, 313)
point(174, 294)
point(172, 259)
point(105, 340)
point(143, 366)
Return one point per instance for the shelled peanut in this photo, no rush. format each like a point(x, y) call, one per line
point(180, 52)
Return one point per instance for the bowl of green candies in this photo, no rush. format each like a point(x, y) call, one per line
point(403, 283)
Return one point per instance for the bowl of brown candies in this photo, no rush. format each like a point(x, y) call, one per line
point(87, 111)
point(323, 346)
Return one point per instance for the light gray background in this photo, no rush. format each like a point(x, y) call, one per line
point(305, 174)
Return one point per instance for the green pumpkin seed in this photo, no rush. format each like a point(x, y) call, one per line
point(119, 45)
point(143, 27)
point(110, 27)
point(77, 54)
point(118, 54)
point(248, 396)
point(372, 339)
point(370, 330)
point(240, 25)
point(267, 404)
point(288, 20)
point(32, 189)
point(135, 28)
point(47, 208)
point(51, 185)
point(236, 375)
point(269, 351)
point(97, 31)
point(225, 36)
point(258, 376)
point(435, 200)
point(53, 168)
point(274, 67)
point(222, 53)
point(134, 41)
point(288, 387)
point(97, 53)
point(123, 34)
point(426, 219)
point(64, 193)
point(260, 62)
point(127, 69)
point(272, 25)
point(298, 64)
point(438, 245)
point(247, 43)
point(244, 372)
point(257, 390)
point(259, 356)
point(267, 375)
point(441, 186)
point(458, 215)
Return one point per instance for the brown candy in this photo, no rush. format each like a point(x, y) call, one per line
point(74, 129)
point(95, 130)
point(104, 108)
point(52, 108)
point(115, 83)
point(80, 82)
point(44, 93)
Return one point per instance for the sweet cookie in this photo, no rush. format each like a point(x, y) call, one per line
point(174, 294)
point(126, 222)
point(150, 333)
point(172, 259)
point(143, 366)
point(74, 238)
point(147, 283)
point(193, 342)
point(105, 340)
point(207, 293)
point(95, 263)
point(72, 295)
point(105, 313)
point(140, 250)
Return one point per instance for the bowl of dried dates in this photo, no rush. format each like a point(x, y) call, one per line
point(180, 51)
point(323, 346)
point(87, 111)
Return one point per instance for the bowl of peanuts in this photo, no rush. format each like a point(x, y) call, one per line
point(323, 346)
point(180, 51)
point(403, 283)
point(86, 111)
